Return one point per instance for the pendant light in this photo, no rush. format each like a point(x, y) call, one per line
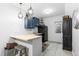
point(20, 15)
point(30, 11)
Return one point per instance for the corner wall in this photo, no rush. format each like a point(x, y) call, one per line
point(69, 8)
point(52, 35)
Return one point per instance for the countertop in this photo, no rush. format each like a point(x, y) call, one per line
point(25, 37)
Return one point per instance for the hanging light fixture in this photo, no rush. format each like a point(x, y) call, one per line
point(20, 15)
point(30, 11)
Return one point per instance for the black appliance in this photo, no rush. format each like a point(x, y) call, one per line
point(67, 33)
point(43, 29)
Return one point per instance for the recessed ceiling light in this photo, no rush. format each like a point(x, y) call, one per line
point(48, 11)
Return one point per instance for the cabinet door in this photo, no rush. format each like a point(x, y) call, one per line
point(70, 43)
point(67, 43)
point(37, 46)
point(65, 27)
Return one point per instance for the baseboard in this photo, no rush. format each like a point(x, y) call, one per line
point(55, 42)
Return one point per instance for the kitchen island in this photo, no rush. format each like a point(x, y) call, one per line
point(32, 42)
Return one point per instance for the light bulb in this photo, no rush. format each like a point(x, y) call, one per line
point(20, 15)
point(30, 11)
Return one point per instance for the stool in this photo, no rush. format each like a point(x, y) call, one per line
point(20, 50)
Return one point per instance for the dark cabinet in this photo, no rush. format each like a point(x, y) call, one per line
point(44, 30)
point(67, 33)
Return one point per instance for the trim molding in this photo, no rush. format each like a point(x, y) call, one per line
point(55, 42)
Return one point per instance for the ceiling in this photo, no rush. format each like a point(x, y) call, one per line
point(38, 8)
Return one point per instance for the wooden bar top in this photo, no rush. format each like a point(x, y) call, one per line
point(25, 37)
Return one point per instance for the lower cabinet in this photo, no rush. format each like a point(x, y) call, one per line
point(67, 43)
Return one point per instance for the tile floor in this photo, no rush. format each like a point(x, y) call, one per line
point(55, 49)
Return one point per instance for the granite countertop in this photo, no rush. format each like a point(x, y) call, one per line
point(25, 37)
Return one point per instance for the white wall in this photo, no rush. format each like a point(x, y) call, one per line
point(69, 8)
point(9, 24)
point(50, 22)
